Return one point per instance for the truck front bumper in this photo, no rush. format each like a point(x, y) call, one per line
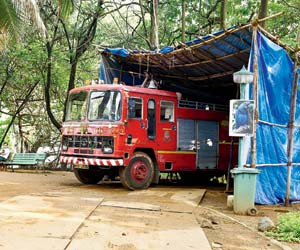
point(91, 161)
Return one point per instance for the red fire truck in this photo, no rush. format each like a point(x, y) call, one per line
point(138, 133)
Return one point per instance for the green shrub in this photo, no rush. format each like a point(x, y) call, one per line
point(288, 228)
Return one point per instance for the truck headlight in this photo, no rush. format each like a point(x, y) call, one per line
point(107, 150)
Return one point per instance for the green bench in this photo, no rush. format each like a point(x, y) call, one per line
point(26, 159)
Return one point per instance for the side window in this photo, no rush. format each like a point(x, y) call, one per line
point(166, 111)
point(135, 108)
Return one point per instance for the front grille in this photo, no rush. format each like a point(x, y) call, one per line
point(84, 151)
point(87, 141)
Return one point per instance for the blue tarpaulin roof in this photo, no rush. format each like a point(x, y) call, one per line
point(205, 64)
point(202, 70)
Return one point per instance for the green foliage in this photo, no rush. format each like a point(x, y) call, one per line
point(9, 22)
point(21, 67)
point(88, 68)
point(25, 63)
point(287, 25)
point(66, 7)
point(124, 27)
point(288, 228)
point(14, 16)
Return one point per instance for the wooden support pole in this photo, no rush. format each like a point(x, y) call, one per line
point(291, 125)
point(254, 96)
point(276, 39)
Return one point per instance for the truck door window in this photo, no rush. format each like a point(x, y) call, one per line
point(151, 119)
point(135, 108)
point(105, 105)
point(166, 111)
point(76, 107)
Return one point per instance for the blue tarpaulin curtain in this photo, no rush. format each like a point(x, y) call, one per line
point(275, 78)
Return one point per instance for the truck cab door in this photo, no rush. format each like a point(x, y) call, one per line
point(137, 122)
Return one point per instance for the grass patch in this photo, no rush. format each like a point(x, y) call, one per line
point(287, 228)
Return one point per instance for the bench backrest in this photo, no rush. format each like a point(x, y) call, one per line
point(28, 158)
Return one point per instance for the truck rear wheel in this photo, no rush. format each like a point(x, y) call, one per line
point(88, 176)
point(139, 173)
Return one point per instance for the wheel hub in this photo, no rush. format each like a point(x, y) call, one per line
point(139, 171)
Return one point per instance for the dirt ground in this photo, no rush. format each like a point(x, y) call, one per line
point(224, 229)
point(228, 231)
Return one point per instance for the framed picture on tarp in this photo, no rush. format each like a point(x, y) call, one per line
point(241, 117)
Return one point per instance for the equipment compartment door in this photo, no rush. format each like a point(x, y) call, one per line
point(208, 143)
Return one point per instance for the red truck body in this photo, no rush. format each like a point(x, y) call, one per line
point(138, 133)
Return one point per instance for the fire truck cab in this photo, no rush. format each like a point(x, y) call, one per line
point(138, 133)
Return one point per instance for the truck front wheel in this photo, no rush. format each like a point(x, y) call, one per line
point(139, 172)
point(88, 176)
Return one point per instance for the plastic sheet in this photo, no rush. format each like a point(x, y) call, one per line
point(118, 51)
point(274, 93)
point(271, 185)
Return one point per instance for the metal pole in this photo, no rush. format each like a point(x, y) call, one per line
point(241, 139)
point(291, 124)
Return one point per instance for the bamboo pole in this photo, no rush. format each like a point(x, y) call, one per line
point(292, 124)
point(196, 63)
point(215, 38)
point(254, 97)
point(275, 39)
point(196, 78)
point(201, 78)
point(227, 32)
point(229, 165)
point(268, 17)
point(212, 60)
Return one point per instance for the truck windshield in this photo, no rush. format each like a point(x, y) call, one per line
point(105, 105)
point(77, 106)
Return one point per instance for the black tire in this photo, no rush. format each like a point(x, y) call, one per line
point(139, 172)
point(88, 176)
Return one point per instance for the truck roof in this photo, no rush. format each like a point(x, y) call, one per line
point(124, 88)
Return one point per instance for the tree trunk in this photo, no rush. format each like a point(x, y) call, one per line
point(183, 6)
point(71, 84)
point(17, 112)
point(154, 41)
point(263, 11)
point(223, 15)
point(143, 19)
point(200, 18)
point(83, 42)
point(21, 137)
point(47, 87)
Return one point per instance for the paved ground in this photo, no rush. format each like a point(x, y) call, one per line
point(53, 211)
